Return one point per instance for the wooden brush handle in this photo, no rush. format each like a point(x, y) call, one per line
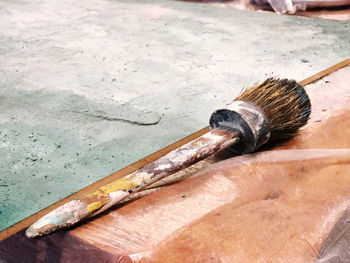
point(121, 189)
point(176, 160)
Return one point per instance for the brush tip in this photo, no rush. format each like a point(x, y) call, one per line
point(284, 103)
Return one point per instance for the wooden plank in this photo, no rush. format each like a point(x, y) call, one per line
point(139, 164)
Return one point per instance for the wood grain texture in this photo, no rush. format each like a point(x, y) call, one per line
point(208, 216)
point(139, 164)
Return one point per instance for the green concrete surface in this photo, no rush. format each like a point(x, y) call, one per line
point(80, 81)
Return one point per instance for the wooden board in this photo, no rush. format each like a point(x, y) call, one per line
point(137, 165)
point(128, 230)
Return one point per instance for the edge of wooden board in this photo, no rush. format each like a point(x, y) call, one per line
point(139, 164)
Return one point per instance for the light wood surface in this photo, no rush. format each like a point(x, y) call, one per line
point(139, 164)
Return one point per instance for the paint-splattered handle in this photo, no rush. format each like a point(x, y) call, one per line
point(113, 193)
point(178, 159)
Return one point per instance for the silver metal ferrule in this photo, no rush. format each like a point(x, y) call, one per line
point(248, 120)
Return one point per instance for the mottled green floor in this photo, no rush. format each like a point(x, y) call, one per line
point(71, 70)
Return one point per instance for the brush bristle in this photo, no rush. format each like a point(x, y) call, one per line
point(284, 103)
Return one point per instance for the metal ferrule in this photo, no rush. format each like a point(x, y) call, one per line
point(245, 118)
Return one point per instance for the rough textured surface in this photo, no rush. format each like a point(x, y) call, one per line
point(271, 206)
point(70, 71)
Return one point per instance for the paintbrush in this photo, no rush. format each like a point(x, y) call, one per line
point(270, 111)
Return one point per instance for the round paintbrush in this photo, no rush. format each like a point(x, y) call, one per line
point(272, 110)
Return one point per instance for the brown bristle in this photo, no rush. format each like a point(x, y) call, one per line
point(284, 103)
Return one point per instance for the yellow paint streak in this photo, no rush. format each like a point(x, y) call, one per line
point(101, 196)
point(94, 206)
point(120, 184)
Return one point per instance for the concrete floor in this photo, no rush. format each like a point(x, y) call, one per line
point(80, 81)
